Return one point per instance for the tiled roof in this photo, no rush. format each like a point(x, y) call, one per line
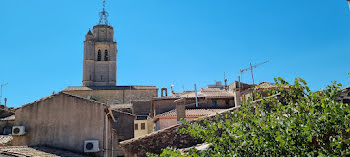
point(5, 139)
point(155, 134)
point(268, 85)
point(209, 93)
point(79, 88)
point(120, 106)
point(192, 112)
point(70, 95)
point(25, 151)
point(167, 97)
point(53, 95)
point(12, 117)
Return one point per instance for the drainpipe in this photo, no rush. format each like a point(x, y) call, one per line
point(106, 137)
point(112, 142)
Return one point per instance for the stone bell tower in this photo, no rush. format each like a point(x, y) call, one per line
point(100, 54)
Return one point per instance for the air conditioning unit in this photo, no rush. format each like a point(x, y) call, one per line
point(18, 130)
point(91, 146)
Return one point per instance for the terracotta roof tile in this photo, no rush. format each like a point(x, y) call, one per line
point(268, 85)
point(5, 139)
point(192, 112)
point(120, 106)
point(209, 93)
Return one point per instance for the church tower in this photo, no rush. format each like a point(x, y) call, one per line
point(100, 54)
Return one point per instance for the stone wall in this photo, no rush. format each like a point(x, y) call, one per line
point(141, 107)
point(64, 121)
point(116, 96)
point(124, 125)
point(157, 141)
point(160, 106)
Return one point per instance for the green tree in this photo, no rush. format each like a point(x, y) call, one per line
point(298, 122)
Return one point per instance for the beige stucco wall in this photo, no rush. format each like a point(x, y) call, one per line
point(149, 127)
point(63, 121)
point(139, 132)
point(117, 96)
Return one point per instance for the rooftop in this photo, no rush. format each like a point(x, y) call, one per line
point(5, 139)
point(268, 85)
point(83, 88)
point(24, 151)
point(192, 112)
point(12, 117)
point(209, 93)
point(120, 106)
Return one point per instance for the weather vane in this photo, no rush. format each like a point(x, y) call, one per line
point(103, 15)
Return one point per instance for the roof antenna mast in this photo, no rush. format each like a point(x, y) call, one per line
point(103, 15)
point(2, 85)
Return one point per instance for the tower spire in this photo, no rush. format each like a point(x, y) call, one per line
point(103, 15)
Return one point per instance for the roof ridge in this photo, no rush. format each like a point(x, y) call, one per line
point(62, 92)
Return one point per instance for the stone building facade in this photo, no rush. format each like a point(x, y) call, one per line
point(100, 57)
point(115, 94)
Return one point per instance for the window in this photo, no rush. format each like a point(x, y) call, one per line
point(349, 94)
point(99, 55)
point(143, 126)
point(106, 55)
point(214, 103)
point(136, 127)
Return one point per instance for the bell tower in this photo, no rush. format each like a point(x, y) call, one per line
point(100, 54)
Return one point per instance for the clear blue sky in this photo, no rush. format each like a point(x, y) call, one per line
point(162, 42)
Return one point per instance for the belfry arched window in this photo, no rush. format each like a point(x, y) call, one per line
point(106, 55)
point(99, 55)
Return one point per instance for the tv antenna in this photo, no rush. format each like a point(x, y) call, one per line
point(2, 85)
point(251, 69)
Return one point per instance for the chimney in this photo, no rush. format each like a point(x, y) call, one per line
point(180, 110)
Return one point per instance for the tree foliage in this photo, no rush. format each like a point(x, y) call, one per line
point(297, 123)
